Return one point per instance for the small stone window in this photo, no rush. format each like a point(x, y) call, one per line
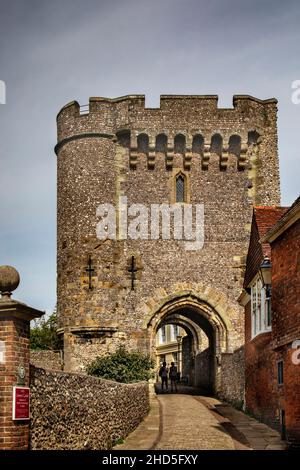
point(235, 145)
point(180, 188)
point(253, 137)
point(179, 144)
point(216, 145)
point(143, 143)
point(124, 138)
point(198, 144)
point(161, 143)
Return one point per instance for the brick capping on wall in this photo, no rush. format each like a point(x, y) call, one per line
point(76, 411)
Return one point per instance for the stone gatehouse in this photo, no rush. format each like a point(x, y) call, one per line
point(120, 291)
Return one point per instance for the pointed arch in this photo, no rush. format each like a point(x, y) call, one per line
point(180, 187)
point(198, 315)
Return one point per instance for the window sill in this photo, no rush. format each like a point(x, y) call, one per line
point(262, 338)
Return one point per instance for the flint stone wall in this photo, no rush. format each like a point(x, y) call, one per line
point(46, 359)
point(233, 377)
point(73, 411)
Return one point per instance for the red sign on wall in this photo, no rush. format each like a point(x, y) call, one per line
point(21, 403)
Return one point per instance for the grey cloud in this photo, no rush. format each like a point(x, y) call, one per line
point(54, 52)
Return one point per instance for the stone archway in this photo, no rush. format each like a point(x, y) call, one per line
point(196, 314)
point(188, 347)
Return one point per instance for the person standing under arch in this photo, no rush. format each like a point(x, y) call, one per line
point(163, 373)
point(173, 376)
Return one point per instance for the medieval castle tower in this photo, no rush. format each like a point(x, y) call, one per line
point(119, 292)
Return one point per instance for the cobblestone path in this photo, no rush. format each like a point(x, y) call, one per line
point(184, 421)
point(188, 424)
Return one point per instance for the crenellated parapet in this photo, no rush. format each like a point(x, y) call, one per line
point(110, 116)
point(192, 126)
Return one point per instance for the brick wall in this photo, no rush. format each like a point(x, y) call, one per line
point(290, 401)
point(286, 286)
point(260, 375)
point(72, 411)
point(15, 335)
point(286, 321)
point(266, 399)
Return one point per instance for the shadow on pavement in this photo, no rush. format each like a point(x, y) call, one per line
point(181, 389)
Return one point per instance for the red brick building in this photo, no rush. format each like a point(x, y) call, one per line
point(272, 319)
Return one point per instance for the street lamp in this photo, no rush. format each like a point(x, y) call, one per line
point(265, 274)
point(265, 271)
point(179, 338)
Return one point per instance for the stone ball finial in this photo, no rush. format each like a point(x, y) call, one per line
point(9, 280)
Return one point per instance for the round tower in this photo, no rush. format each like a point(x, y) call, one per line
point(86, 177)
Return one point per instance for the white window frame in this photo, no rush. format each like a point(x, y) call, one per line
point(259, 308)
point(174, 332)
point(162, 339)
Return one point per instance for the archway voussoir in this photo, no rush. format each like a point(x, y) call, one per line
point(151, 302)
point(208, 292)
point(182, 287)
point(160, 293)
point(199, 288)
point(204, 297)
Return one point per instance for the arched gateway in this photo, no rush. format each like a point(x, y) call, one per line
point(118, 289)
point(195, 318)
point(201, 363)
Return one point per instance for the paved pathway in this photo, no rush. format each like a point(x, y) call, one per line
point(188, 424)
point(181, 421)
point(247, 432)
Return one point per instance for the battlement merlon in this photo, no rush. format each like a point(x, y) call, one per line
point(139, 100)
point(177, 112)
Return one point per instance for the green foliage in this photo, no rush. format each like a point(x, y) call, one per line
point(122, 366)
point(119, 442)
point(43, 334)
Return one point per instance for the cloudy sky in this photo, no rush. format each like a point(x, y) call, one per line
point(54, 52)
